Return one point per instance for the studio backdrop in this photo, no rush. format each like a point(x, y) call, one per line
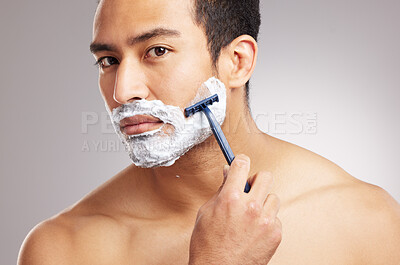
point(327, 79)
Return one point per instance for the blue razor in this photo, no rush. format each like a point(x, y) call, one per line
point(215, 128)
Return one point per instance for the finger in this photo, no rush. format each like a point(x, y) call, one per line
point(261, 186)
point(210, 202)
point(271, 207)
point(278, 223)
point(238, 173)
point(225, 173)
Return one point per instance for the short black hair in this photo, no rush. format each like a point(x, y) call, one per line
point(225, 20)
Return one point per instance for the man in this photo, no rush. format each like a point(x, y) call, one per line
point(161, 52)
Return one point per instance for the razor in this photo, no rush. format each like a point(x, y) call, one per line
point(215, 128)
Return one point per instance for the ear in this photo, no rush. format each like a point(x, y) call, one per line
point(242, 54)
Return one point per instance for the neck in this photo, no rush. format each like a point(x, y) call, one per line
point(196, 176)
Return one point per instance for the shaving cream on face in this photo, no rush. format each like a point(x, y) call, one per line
point(178, 134)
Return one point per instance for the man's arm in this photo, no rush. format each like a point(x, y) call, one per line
point(48, 243)
point(375, 226)
point(387, 221)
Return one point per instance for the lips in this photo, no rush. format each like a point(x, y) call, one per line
point(139, 124)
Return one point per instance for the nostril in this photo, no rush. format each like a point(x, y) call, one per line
point(124, 99)
point(128, 88)
point(133, 99)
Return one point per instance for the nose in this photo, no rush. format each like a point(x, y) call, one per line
point(129, 83)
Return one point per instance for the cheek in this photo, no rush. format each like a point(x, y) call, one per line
point(182, 80)
point(106, 85)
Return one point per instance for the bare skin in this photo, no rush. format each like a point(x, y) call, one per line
point(148, 216)
point(335, 220)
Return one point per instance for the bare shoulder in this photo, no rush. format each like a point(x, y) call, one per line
point(49, 242)
point(362, 217)
point(92, 231)
point(372, 219)
point(74, 237)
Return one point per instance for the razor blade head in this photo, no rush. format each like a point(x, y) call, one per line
point(201, 105)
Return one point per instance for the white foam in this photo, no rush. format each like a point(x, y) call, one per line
point(162, 147)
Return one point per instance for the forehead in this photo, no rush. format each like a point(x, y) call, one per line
point(116, 16)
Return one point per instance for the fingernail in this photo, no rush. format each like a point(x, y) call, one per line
point(241, 161)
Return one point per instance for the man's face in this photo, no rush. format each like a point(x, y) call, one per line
point(152, 50)
point(149, 49)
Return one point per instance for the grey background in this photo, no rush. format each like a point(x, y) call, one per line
point(339, 59)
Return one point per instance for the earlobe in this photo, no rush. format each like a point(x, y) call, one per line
point(243, 54)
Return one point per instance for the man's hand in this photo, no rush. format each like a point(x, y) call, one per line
point(236, 227)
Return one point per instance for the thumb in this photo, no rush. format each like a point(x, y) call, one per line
point(226, 170)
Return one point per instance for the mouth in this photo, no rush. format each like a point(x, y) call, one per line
point(139, 124)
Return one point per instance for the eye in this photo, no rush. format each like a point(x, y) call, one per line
point(157, 52)
point(105, 62)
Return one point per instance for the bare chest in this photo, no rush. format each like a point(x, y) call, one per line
point(309, 236)
point(159, 246)
point(300, 245)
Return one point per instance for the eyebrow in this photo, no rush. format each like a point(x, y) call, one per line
point(157, 32)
